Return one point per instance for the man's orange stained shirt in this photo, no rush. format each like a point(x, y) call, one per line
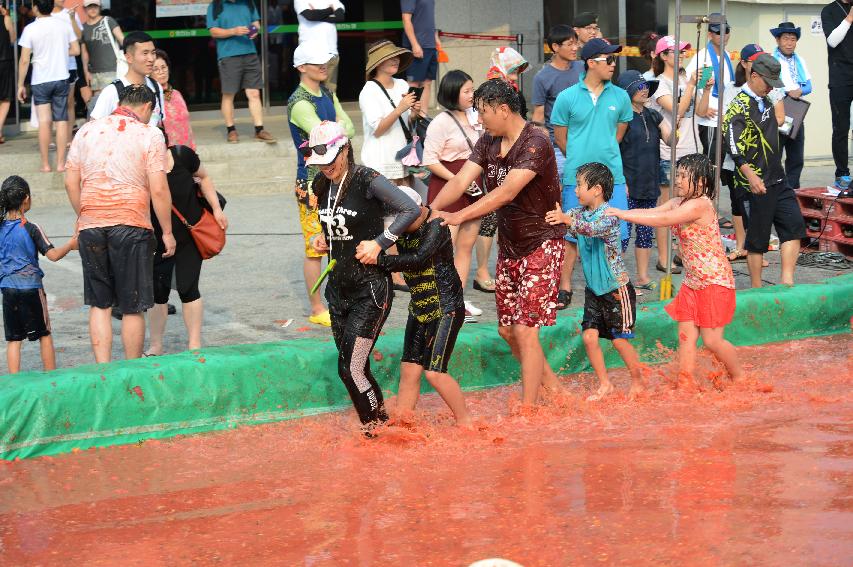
point(115, 155)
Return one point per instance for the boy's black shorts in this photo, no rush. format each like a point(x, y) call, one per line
point(612, 314)
point(25, 314)
point(431, 344)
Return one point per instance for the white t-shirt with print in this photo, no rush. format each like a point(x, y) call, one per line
point(318, 31)
point(64, 16)
point(49, 39)
point(108, 101)
point(380, 152)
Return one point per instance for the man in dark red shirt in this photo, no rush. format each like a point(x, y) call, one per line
point(520, 169)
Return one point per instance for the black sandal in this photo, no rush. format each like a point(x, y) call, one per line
point(726, 224)
point(564, 298)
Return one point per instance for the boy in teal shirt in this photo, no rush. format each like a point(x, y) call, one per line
point(610, 302)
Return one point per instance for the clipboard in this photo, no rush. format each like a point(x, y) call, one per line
point(797, 109)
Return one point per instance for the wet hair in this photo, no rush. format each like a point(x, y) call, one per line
point(700, 172)
point(647, 43)
point(13, 193)
point(595, 173)
point(496, 92)
point(160, 54)
point(132, 38)
point(136, 95)
point(448, 90)
point(45, 7)
point(561, 33)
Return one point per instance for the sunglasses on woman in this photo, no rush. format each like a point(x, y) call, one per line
point(319, 149)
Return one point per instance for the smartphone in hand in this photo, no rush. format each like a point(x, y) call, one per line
point(706, 74)
point(417, 91)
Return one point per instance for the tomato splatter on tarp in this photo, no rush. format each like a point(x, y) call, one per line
point(138, 391)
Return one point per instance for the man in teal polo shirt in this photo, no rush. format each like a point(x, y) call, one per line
point(590, 119)
point(234, 24)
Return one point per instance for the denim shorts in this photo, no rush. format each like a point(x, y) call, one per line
point(665, 170)
point(425, 68)
point(54, 93)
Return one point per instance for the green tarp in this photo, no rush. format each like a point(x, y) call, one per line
point(217, 388)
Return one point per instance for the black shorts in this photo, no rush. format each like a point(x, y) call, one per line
point(737, 193)
point(612, 314)
point(240, 72)
point(25, 314)
point(118, 267)
point(7, 81)
point(779, 209)
point(431, 344)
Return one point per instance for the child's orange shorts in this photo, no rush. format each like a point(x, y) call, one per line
point(708, 308)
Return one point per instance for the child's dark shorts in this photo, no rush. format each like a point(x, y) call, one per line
point(431, 344)
point(612, 314)
point(25, 314)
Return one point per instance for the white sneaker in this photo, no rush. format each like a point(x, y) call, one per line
point(473, 310)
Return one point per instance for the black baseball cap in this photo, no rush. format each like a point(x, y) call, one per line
point(715, 27)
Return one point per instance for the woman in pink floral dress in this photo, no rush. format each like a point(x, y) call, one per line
point(177, 120)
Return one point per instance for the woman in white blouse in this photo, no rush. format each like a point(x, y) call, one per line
point(450, 139)
point(386, 105)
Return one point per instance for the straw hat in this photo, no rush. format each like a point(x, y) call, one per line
point(383, 51)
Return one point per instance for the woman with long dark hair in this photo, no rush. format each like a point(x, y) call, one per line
point(352, 202)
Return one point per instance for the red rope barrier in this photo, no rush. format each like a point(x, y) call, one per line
point(477, 36)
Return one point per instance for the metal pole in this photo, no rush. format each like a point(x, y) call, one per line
point(13, 13)
point(623, 33)
point(674, 141)
point(718, 135)
point(265, 53)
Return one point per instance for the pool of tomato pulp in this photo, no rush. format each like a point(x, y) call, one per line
point(758, 473)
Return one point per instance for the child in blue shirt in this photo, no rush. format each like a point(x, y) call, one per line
point(610, 302)
point(24, 301)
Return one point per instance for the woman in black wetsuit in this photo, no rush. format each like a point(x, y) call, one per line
point(185, 266)
point(352, 201)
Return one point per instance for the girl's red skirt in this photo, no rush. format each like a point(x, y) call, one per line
point(708, 308)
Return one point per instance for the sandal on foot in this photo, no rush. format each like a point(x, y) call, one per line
point(488, 286)
point(675, 269)
point(736, 256)
point(564, 298)
point(726, 224)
